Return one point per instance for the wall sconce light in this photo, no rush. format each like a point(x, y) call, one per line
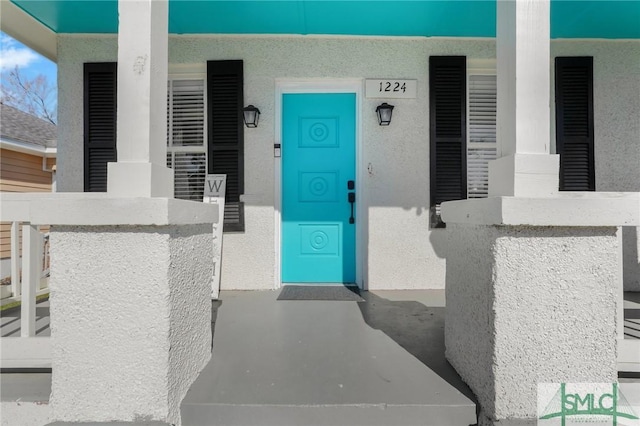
point(384, 112)
point(251, 116)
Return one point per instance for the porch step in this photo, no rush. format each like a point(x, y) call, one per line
point(140, 423)
point(327, 363)
point(351, 415)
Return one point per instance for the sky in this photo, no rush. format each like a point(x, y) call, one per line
point(31, 64)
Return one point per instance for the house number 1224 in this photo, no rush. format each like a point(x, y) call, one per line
point(392, 86)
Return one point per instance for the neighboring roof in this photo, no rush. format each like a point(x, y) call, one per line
point(614, 19)
point(19, 126)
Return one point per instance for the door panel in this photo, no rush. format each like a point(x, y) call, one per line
point(318, 161)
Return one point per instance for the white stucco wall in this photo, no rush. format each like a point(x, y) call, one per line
point(616, 110)
point(401, 251)
point(129, 340)
point(75, 51)
point(529, 305)
point(190, 336)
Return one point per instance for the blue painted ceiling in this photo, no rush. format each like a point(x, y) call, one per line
point(430, 18)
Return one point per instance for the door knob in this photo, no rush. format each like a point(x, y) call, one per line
point(352, 200)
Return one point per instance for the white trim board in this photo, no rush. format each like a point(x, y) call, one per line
point(320, 86)
point(28, 148)
point(26, 352)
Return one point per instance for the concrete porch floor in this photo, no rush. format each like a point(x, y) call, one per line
point(378, 362)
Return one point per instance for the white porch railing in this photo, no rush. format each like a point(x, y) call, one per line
point(27, 350)
point(628, 347)
point(15, 289)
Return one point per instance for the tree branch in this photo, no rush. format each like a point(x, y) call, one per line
point(31, 96)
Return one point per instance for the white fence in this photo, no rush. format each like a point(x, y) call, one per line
point(27, 351)
point(14, 291)
point(628, 348)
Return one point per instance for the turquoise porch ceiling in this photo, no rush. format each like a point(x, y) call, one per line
point(454, 18)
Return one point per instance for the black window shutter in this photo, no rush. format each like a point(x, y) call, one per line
point(99, 123)
point(448, 108)
point(225, 143)
point(574, 123)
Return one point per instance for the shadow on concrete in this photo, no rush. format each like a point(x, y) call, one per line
point(416, 328)
point(215, 305)
point(10, 320)
point(631, 266)
point(632, 296)
point(631, 315)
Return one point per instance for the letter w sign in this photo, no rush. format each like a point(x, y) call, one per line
point(214, 190)
point(214, 186)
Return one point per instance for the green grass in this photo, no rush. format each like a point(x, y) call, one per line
point(18, 303)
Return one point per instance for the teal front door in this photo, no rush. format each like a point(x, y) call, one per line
point(318, 176)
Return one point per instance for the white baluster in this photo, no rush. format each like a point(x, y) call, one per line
point(620, 287)
point(15, 259)
point(31, 277)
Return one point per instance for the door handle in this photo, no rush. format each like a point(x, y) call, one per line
point(352, 200)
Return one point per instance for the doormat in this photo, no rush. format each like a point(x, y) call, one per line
point(316, 292)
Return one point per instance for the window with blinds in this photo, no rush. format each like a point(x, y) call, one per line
point(186, 148)
point(481, 132)
point(463, 130)
point(204, 133)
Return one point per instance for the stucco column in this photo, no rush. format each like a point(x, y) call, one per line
point(130, 305)
point(142, 102)
point(532, 286)
point(523, 121)
point(528, 305)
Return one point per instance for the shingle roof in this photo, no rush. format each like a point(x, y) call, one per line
point(20, 126)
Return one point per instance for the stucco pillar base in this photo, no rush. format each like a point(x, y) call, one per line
point(529, 305)
point(524, 175)
point(130, 304)
point(139, 180)
point(131, 320)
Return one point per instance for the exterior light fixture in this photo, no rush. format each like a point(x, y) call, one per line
point(251, 116)
point(384, 112)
